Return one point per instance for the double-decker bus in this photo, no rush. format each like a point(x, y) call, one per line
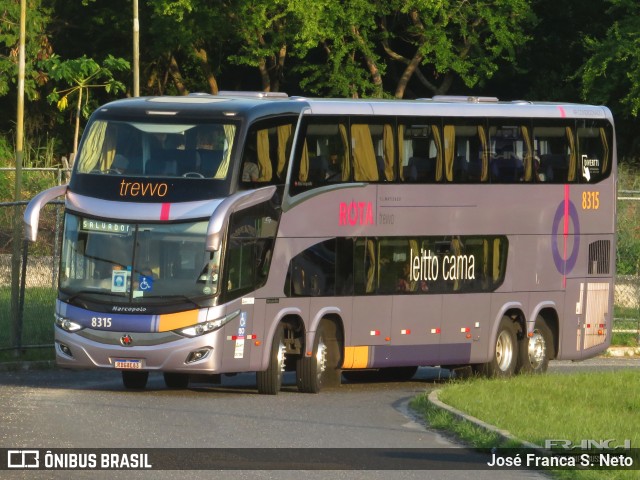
point(255, 232)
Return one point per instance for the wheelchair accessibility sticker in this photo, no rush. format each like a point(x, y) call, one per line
point(145, 283)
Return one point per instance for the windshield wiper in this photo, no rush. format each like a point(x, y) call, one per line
point(81, 295)
point(186, 299)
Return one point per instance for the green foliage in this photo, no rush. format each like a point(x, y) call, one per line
point(443, 420)
point(465, 39)
point(38, 316)
point(7, 153)
point(82, 74)
point(628, 246)
point(534, 408)
point(500, 402)
point(623, 339)
point(361, 48)
point(39, 46)
point(611, 75)
point(343, 36)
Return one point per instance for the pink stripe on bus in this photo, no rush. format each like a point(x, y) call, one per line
point(164, 212)
point(567, 199)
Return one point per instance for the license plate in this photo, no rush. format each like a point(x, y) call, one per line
point(127, 363)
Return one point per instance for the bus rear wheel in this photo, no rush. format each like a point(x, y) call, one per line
point(534, 351)
point(134, 379)
point(269, 382)
point(505, 358)
point(322, 368)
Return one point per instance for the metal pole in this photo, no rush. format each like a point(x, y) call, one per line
point(136, 50)
point(16, 328)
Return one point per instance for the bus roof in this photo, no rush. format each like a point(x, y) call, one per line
point(259, 104)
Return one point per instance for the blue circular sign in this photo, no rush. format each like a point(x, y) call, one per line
point(565, 265)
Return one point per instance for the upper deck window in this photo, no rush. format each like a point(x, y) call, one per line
point(266, 152)
point(157, 149)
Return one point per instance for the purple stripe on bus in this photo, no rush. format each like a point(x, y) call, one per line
point(115, 322)
point(402, 355)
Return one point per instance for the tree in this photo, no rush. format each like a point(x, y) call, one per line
point(265, 30)
point(38, 46)
point(83, 74)
point(438, 42)
point(611, 75)
point(338, 44)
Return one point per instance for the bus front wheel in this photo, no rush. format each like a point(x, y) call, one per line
point(534, 351)
point(270, 381)
point(505, 357)
point(322, 368)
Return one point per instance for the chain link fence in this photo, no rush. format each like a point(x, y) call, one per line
point(31, 326)
point(34, 325)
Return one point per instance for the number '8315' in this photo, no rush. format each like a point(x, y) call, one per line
point(101, 322)
point(590, 200)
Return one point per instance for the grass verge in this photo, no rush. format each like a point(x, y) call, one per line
point(534, 408)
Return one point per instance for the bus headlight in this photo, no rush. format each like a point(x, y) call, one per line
point(66, 324)
point(208, 326)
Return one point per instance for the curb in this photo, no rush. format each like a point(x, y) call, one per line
point(622, 352)
point(504, 434)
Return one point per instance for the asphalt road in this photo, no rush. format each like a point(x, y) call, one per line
point(49, 409)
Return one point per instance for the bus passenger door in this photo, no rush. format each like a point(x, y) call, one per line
point(238, 336)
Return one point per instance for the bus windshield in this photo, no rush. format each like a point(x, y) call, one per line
point(144, 148)
point(118, 262)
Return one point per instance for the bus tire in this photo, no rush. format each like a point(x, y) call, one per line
point(135, 380)
point(322, 368)
point(176, 380)
point(505, 357)
point(534, 352)
point(269, 382)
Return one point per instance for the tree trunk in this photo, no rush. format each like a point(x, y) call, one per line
point(264, 75)
point(201, 54)
point(410, 69)
point(76, 134)
point(176, 76)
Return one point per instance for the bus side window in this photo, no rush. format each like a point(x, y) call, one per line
point(594, 151)
point(265, 156)
point(312, 273)
point(321, 156)
point(556, 147)
point(466, 153)
point(373, 152)
point(419, 152)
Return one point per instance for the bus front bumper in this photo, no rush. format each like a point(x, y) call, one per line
point(166, 352)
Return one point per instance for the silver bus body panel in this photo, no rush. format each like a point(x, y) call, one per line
point(140, 211)
point(32, 212)
point(390, 330)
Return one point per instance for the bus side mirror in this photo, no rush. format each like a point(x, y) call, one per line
point(238, 201)
point(32, 212)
